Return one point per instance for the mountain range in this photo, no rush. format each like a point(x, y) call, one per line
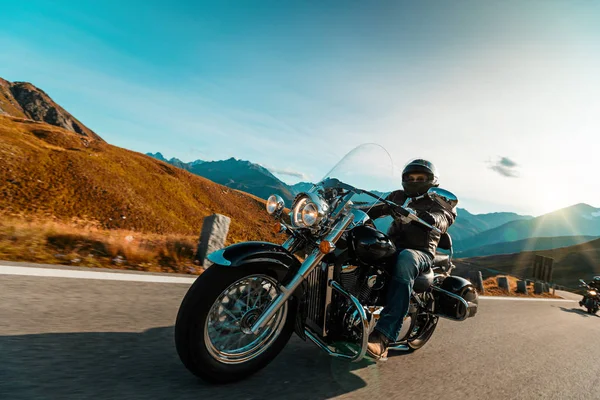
point(576, 220)
point(571, 263)
point(52, 164)
point(473, 234)
point(52, 167)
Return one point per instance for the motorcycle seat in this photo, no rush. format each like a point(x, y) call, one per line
point(441, 261)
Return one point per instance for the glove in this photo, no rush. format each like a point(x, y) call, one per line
point(427, 217)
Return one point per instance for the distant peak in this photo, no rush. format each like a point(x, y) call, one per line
point(157, 155)
point(579, 207)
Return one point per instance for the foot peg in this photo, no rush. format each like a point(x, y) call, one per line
point(399, 347)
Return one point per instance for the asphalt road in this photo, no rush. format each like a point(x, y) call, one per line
point(66, 338)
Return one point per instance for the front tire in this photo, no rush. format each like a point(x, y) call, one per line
point(221, 304)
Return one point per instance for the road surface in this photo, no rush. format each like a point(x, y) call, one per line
point(74, 338)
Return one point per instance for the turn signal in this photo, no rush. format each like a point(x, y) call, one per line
point(326, 247)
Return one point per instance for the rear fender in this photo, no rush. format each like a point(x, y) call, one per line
point(449, 307)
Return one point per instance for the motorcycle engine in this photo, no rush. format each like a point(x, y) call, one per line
point(363, 283)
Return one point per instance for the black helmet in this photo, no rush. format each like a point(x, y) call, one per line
point(413, 189)
point(597, 278)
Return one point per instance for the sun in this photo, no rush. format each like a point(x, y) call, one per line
point(554, 199)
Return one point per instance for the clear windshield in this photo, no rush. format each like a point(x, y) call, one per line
point(368, 167)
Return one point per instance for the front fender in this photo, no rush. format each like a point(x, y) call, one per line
point(273, 256)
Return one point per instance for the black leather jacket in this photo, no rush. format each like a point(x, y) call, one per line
point(414, 235)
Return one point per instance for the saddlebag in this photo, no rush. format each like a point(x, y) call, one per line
point(455, 298)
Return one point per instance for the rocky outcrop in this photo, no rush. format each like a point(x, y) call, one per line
point(24, 100)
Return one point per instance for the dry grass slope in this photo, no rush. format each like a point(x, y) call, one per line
point(76, 243)
point(49, 173)
point(491, 288)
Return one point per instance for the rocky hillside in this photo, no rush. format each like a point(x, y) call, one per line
point(24, 100)
point(49, 172)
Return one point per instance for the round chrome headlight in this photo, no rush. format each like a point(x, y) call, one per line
point(308, 210)
point(593, 292)
point(310, 214)
point(274, 203)
point(297, 212)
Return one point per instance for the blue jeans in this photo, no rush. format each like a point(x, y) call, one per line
point(409, 264)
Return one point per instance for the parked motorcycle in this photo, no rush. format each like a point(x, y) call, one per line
point(590, 300)
point(327, 282)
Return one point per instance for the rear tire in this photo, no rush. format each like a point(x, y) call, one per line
point(427, 324)
point(426, 332)
point(197, 318)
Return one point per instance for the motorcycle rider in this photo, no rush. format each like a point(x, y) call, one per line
point(417, 247)
point(595, 283)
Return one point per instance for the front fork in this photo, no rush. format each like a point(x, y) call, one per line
point(305, 269)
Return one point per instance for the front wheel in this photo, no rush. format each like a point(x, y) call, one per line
point(212, 331)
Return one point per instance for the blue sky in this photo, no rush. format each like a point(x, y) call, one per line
point(502, 96)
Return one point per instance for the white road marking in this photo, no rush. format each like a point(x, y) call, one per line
point(141, 277)
point(522, 298)
point(78, 274)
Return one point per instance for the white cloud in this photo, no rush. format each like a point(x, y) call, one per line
point(505, 167)
point(288, 172)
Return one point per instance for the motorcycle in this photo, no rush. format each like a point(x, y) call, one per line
point(327, 282)
point(590, 300)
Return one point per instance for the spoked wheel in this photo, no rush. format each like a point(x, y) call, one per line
point(213, 330)
point(227, 331)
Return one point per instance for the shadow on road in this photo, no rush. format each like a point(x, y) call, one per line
point(579, 311)
point(145, 366)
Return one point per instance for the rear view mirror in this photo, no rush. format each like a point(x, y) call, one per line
point(443, 197)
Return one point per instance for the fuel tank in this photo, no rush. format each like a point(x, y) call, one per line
point(370, 245)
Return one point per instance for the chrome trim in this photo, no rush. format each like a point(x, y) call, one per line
point(347, 269)
point(360, 217)
point(315, 281)
point(363, 319)
point(217, 257)
point(456, 297)
point(365, 327)
point(443, 197)
point(323, 346)
point(328, 293)
point(307, 266)
point(320, 204)
point(279, 204)
point(288, 243)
